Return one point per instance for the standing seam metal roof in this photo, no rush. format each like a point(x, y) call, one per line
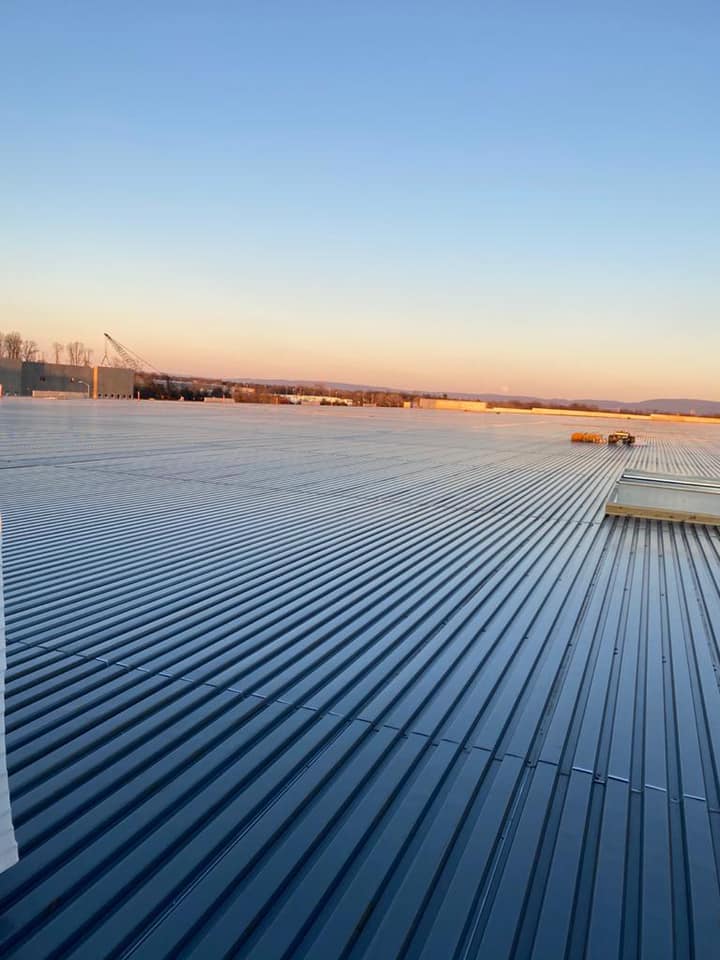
point(354, 683)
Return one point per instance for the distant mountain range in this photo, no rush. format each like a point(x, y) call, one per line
point(700, 408)
point(682, 405)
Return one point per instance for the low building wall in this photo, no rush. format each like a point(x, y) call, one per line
point(59, 395)
point(112, 383)
point(441, 403)
point(683, 418)
point(11, 377)
point(602, 414)
point(54, 377)
point(31, 379)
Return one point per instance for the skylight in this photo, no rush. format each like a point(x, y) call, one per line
point(664, 496)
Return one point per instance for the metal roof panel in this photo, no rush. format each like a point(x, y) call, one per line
point(349, 683)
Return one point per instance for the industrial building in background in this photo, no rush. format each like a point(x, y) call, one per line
point(26, 378)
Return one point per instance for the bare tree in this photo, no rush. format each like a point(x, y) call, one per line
point(87, 356)
point(28, 350)
point(2, 344)
point(13, 345)
point(75, 351)
point(58, 350)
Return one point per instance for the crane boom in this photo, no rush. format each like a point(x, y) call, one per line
point(127, 357)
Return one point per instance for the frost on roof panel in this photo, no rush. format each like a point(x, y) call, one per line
point(664, 496)
point(8, 847)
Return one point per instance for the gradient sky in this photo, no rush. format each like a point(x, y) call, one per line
point(510, 196)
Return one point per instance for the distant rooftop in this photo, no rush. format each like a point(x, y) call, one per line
point(299, 682)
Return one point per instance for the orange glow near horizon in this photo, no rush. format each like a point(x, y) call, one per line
point(618, 368)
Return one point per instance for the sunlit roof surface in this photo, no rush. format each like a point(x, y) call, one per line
point(354, 683)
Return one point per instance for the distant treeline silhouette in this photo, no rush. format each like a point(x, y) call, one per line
point(13, 346)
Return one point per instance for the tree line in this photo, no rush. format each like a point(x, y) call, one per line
point(331, 396)
point(13, 346)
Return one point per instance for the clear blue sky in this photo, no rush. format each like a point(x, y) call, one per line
point(461, 196)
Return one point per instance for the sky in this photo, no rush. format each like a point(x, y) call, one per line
point(517, 197)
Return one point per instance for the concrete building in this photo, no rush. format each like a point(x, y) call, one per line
point(443, 403)
point(28, 378)
point(114, 383)
point(319, 399)
point(11, 377)
point(55, 378)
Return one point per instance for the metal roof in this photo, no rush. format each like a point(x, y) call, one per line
point(354, 683)
point(8, 846)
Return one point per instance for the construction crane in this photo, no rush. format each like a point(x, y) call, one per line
point(128, 358)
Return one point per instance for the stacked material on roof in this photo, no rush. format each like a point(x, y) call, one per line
point(8, 847)
point(665, 496)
